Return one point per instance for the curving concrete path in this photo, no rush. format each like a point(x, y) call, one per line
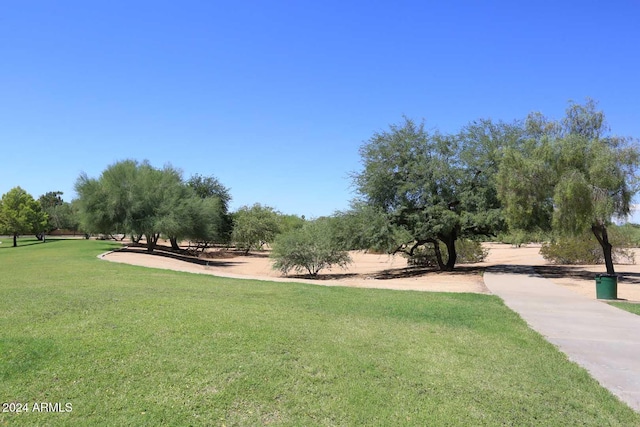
point(601, 338)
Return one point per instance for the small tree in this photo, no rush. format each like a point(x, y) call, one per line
point(312, 247)
point(254, 226)
point(21, 214)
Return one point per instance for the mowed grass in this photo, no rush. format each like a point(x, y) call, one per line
point(628, 306)
point(132, 346)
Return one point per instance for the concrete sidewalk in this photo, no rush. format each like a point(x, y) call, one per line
point(601, 338)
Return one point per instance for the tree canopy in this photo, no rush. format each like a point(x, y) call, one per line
point(422, 187)
point(569, 176)
point(427, 190)
point(214, 198)
point(136, 198)
point(61, 214)
point(20, 214)
point(254, 226)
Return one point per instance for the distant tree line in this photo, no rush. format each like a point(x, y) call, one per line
point(134, 198)
point(145, 203)
point(419, 192)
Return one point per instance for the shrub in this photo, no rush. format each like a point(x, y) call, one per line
point(468, 251)
point(311, 248)
point(585, 249)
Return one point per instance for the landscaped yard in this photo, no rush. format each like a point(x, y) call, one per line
point(127, 345)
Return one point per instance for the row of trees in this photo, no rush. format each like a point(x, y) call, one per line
point(135, 198)
point(417, 189)
point(21, 214)
point(565, 176)
point(145, 202)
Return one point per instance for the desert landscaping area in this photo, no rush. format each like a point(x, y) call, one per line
point(320, 214)
point(391, 271)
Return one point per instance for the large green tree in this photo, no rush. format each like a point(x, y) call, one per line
point(20, 214)
point(158, 194)
point(138, 199)
point(426, 189)
point(569, 176)
point(203, 221)
point(130, 197)
point(107, 203)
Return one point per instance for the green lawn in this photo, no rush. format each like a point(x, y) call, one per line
point(628, 306)
point(131, 346)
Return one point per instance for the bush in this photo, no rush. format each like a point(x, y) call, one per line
point(585, 249)
point(311, 248)
point(468, 251)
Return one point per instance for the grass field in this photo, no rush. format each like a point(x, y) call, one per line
point(628, 306)
point(131, 346)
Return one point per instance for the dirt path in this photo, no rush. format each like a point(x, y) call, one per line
point(391, 272)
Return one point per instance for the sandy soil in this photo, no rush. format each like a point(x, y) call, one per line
point(391, 272)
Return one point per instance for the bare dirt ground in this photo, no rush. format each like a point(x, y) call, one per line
point(391, 272)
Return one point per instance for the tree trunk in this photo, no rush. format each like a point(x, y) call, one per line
point(600, 231)
point(152, 239)
point(450, 242)
point(436, 249)
point(174, 242)
point(15, 240)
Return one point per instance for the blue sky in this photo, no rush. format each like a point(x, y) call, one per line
point(274, 98)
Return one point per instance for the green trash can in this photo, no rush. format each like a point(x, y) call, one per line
point(607, 286)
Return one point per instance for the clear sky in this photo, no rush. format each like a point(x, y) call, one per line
point(274, 98)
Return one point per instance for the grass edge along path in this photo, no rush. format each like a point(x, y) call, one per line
point(129, 345)
point(631, 307)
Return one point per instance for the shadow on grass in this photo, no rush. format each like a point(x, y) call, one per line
point(8, 243)
point(21, 355)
